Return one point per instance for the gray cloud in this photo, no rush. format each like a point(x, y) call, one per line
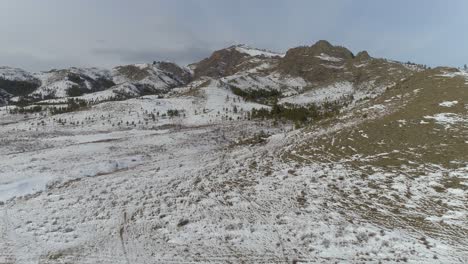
point(183, 56)
point(35, 63)
point(39, 35)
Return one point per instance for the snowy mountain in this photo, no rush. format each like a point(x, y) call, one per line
point(301, 70)
point(315, 156)
point(16, 82)
point(72, 82)
point(16, 75)
point(121, 82)
point(158, 77)
point(321, 70)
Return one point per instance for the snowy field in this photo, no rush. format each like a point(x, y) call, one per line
point(136, 182)
point(183, 194)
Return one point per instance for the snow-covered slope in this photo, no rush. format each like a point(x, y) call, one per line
point(128, 81)
point(124, 182)
point(192, 176)
point(263, 77)
point(16, 74)
point(72, 82)
point(155, 77)
point(242, 48)
point(15, 82)
point(320, 95)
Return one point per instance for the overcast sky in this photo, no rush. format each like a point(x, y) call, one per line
point(43, 34)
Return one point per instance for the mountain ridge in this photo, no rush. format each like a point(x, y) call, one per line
point(222, 63)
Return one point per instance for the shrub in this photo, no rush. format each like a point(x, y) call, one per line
point(30, 110)
point(173, 112)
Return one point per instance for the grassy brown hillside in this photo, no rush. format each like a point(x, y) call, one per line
point(220, 63)
point(405, 156)
point(410, 128)
point(324, 64)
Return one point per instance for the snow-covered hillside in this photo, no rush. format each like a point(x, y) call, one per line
point(15, 74)
point(58, 83)
point(365, 163)
point(159, 76)
point(14, 82)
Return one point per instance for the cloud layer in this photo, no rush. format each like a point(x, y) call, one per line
point(39, 35)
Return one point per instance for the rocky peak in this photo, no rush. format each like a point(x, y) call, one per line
point(323, 46)
point(221, 63)
point(318, 63)
point(363, 55)
point(323, 63)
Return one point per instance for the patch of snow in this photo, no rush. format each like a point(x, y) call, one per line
point(447, 119)
point(247, 80)
point(321, 95)
point(448, 103)
point(377, 107)
point(332, 66)
point(257, 52)
point(327, 57)
point(361, 65)
point(459, 73)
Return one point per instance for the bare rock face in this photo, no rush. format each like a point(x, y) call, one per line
point(362, 56)
point(221, 63)
point(317, 63)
